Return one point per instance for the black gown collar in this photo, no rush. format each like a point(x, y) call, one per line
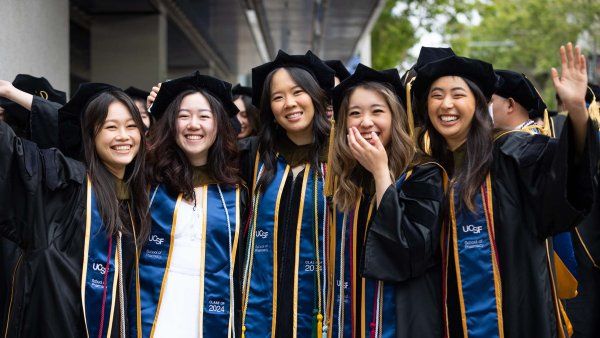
point(296, 155)
point(202, 175)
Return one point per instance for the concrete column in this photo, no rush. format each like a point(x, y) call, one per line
point(129, 50)
point(34, 39)
point(365, 50)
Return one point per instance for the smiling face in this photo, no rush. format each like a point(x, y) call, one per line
point(243, 118)
point(141, 106)
point(292, 107)
point(369, 112)
point(451, 107)
point(196, 128)
point(118, 139)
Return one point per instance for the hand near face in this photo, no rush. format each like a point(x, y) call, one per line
point(372, 156)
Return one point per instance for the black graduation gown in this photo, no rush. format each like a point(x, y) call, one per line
point(41, 128)
point(537, 191)
point(584, 309)
point(403, 247)
point(43, 210)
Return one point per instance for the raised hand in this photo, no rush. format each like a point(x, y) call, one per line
point(571, 85)
point(5, 88)
point(150, 99)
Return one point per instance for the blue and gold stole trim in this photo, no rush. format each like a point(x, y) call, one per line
point(377, 312)
point(476, 264)
point(216, 314)
point(99, 274)
point(259, 310)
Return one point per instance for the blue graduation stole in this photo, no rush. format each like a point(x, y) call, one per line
point(98, 282)
point(378, 301)
point(216, 318)
point(476, 264)
point(259, 311)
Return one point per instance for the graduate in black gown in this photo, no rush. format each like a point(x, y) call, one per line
point(77, 223)
point(341, 73)
point(25, 96)
point(139, 97)
point(284, 167)
point(387, 223)
point(584, 310)
point(509, 192)
point(248, 115)
point(189, 269)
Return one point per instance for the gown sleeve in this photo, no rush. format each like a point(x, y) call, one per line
point(44, 123)
point(30, 179)
point(404, 235)
point(552, 181)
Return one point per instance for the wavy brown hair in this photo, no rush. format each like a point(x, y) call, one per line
point(103, 181)
point(168, 164)
point(400, 150)
point(479, 146)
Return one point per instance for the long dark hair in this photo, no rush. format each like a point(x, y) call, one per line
point(252, 112)
point(168, 164)
point(478, 156)
point(103, 181)
point(270, 130)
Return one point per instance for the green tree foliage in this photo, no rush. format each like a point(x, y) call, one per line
point(521, 35)
point(392, 36)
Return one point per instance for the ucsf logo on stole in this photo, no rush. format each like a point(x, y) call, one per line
point(156, 239)
point(472, 228)
point(99, 267)
point(262, 234)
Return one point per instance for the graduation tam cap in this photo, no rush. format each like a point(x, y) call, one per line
point(338, 67)
point(426, 55)
point(431, 54)
point(169, 90)
point(479, 72)
point(136, 93)
point(70, 116)
point(309, 62)
point(388, 77)
point(17, 115)
point(37, 86)
point(238, 89)
point(517, 86)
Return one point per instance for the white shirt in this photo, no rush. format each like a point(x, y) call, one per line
point(180, 308)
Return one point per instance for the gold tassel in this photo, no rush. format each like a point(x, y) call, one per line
point(319, 325)
point(594, 108)
point(328, 187)
point(546, 130)
point(244, 331)
point(409, 111)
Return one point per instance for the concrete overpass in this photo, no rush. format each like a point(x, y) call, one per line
point(141, 42)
